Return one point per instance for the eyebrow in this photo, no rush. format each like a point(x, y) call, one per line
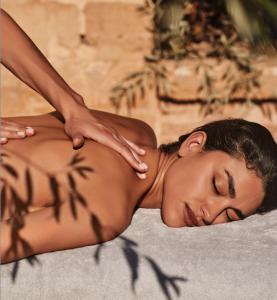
point(232, 194)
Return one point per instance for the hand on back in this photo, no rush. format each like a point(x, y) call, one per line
point(13, 130)
point(83, 125)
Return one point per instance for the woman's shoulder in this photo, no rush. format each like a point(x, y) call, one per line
point(133, 129)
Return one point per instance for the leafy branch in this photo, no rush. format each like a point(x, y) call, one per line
point(200, 31)
point(135, 85)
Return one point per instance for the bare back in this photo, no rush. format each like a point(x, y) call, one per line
point(47, 162)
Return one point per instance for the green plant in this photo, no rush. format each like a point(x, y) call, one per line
point(205, 32)
point(136, 84)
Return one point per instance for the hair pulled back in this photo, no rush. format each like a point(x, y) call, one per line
point(242, 139)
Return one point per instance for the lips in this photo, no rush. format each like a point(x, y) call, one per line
point(190, 216)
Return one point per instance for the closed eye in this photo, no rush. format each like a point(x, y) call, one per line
point(216, 191)
point(214, 186)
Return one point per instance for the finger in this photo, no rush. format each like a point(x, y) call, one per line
point(122, 140)
point(141, 175)
point(12, 134)
point(29, 131)
point(145, 167)
point(78, 141)
point(12, 125)
point(127, 154)
point(3, 140)
point(135, 147)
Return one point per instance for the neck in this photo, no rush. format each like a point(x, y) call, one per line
point(158, 163)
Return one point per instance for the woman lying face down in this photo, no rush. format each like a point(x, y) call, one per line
point(223, 171)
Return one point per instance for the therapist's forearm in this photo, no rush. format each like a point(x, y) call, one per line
point(21, 56)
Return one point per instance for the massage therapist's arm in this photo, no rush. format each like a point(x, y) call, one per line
point(21, 56)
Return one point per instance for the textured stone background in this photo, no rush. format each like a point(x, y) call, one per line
point(93, 44)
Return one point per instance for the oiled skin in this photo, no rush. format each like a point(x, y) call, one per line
point(112, 191)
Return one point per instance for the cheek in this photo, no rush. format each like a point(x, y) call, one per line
point(175, 182)
point(187, 184)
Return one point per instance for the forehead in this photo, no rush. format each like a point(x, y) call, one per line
point(248, 185)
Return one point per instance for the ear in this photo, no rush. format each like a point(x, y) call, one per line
point(193, 144)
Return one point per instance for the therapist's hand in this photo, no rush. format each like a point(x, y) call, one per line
point(13, 130)
point(84, 125)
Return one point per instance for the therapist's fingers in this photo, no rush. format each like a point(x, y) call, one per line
point(6, 134)
point(29, 131)
point(122, 147)
point(78, 140)
point(124, 141)
point(10, 134)
point(113, 140)
point(134, 147)
point(7, 121)
point(3, 140)
point(10, 125)
point(110, 138)
point(13, 130)
point(92, 128)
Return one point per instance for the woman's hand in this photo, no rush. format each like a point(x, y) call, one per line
point(13, 130)
point(84, 125)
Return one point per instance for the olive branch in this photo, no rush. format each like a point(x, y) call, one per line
point(200, 31)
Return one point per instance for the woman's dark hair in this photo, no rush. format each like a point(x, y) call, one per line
point(242, 139)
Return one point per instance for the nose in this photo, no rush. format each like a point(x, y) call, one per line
point(212, 208)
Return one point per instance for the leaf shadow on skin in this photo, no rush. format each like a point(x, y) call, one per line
point(21, 207)
point(73, 168)
point(21, 203)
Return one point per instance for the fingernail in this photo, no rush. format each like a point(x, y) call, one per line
point(30, 130)
point(21, 133)
point(143, 166)
point(3, 139)
point(142, 151)
point(141, 176)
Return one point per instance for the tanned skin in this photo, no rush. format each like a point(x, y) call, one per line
point(112, 191)
point(191, 186)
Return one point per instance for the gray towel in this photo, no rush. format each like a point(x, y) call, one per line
point(151, 261)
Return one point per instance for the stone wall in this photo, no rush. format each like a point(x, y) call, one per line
point(94, 44)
